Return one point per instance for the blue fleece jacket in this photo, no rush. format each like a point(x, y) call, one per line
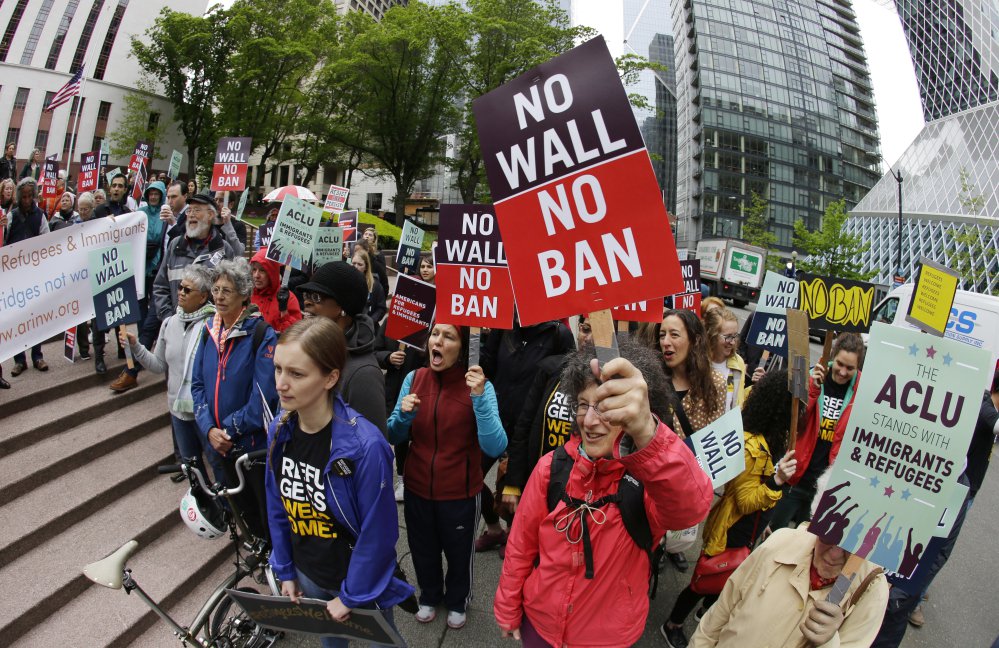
point(363, 502)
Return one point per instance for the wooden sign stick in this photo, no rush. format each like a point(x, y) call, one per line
point(826, 348)
point(129, 360)
point(763, 359)
point(604, 338)
point(795, 406)
point(622, 326)
point(474, 345)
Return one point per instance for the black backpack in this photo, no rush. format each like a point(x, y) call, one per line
point(630, 500)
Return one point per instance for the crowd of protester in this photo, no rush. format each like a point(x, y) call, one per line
point(594, 463)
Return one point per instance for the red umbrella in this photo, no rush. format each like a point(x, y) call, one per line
point(290, 190)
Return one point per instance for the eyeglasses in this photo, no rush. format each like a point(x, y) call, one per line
point(313, 297)
point(731, 337)
point(583, 407)
point(185, 290)
point(224, 292)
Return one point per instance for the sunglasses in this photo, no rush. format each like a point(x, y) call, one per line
point(185, 290)
point(313, 297)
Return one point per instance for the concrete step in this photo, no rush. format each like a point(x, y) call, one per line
point(54, 415)
point(54, 507)
point(72, 447)
point(168, 568)
point(62, 378)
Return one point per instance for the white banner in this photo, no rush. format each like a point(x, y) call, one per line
point(44, 284)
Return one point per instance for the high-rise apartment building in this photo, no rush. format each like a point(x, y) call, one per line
point(376, 8)
point(42, 44)
point(773, 97)
point(950, 172)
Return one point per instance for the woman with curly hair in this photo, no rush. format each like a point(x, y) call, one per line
point(738, 518)
point(684, 345)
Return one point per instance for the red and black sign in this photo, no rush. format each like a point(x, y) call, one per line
point(412, 312)
point(140, 157)
point(90, 171)
point(232, 161)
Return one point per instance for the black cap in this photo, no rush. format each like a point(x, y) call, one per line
point(203, 199)
point(343, 283)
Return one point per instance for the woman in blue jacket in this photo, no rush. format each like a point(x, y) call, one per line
point(332, 514)
point(233, 381)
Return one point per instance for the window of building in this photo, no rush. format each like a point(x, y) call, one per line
point(49, 96)
point(285, 170)
point(154, 120)
point(96, 144)
point(21, 99)
point(8, 34)
point(104, 111)
point(66, 143)
point(373, 202)
point(60, 37)
point(13, 134)
point(109, 39)
point(36, 32)
point(88, 31)
point(42, 140)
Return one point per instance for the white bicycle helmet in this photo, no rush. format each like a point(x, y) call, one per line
point(204, 518)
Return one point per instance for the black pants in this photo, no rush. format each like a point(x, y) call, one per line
point(686, 602)
point(447, 527)
point(488, 505)
point(794, 507)
point(401, 451)
point(83, 329)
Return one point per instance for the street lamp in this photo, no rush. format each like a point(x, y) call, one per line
point(898, 178)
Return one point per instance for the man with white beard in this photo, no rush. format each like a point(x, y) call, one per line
point(200, 242)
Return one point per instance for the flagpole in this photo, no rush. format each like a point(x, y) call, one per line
point(76, 127)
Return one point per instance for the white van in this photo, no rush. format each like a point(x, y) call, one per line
point(974, 318)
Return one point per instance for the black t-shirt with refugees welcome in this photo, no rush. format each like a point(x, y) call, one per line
point(831, 405)
point(320, 546)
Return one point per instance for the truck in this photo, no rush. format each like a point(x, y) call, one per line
point(732, 269)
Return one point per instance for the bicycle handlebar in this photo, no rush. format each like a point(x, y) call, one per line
point(241, 462)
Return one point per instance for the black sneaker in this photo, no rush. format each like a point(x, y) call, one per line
point(679, 561)
point(699, 613)
point(674, 636)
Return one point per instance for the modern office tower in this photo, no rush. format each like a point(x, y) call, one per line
point(376, 8)
point(773, 97)
point(44, 43)
point(950, 173)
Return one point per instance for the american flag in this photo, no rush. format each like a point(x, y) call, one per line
point(67, 92)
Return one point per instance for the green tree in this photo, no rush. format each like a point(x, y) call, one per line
point(756, 231)
point(189, 56)
point(503, 39)
point(137, 124)
point(969, 258)
point(830, 251)
point(399, 89)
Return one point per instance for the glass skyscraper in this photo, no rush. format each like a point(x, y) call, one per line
point(773, 97)
point(950, 172)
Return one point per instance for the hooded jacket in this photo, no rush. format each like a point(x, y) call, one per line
point(155, 228)
point(808, 429)
point(449, 431)
point(180, 253)
point(266, 299)
point(229, 382)
point(544, 574)
point(364, 503)
point(363, 384)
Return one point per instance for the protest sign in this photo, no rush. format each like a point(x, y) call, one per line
point(90, 172)
point(232, 161)
point(294, 233)
point(833, 304)
point(650, 311)
point(769, 328)
point(412, 312)
point(69, 344)
point(407, 258)
point(139, 180)
point(905, 445)
point(932, 297)
point(575, 194)
point(721, 447)
point(311, 617)
point(50, 174)
point(328, 247)
point(690, 298)
point(348, 223)
point(105, 152)
point(336, 199)
point(242, 205)
point(45, 276)
point(112, 287)
point(174, 169)
point(472, 279)
point(112, 174)
point(799, 355)
point(139, 156)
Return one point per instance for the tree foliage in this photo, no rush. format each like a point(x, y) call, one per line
point(829, 250)
point(189, 56)
point(970, 255)
point(756, 230)
point(134, 127)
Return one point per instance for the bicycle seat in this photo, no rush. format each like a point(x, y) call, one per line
point(107, 572)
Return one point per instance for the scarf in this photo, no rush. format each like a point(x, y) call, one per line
point(816, 582)
point(185, 400)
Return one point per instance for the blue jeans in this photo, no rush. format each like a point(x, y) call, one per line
point(189, 445)
point(312, 590)
point(215, 460)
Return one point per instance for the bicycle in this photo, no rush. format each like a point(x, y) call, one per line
point(222, 624)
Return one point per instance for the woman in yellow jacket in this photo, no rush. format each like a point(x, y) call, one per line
point(722, 327)
point(738, 518)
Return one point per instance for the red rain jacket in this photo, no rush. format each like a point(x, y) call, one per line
point(266, 300)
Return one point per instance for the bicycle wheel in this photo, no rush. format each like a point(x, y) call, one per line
point(230, 627)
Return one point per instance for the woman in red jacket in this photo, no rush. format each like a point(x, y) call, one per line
point(830, 401)
point(573, 576)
